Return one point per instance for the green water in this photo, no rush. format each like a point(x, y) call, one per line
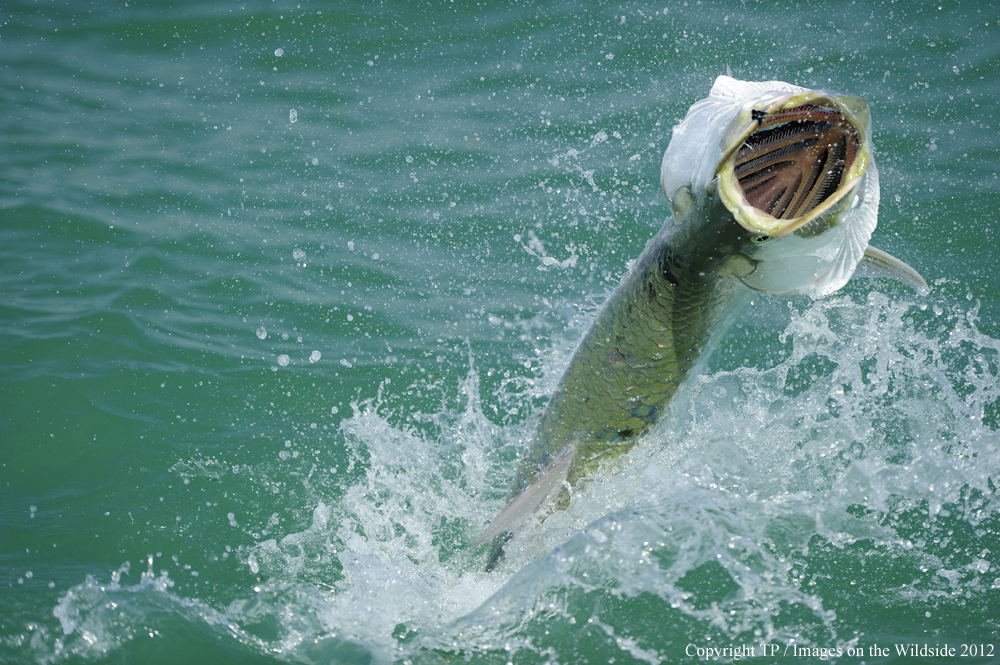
point(283, 288)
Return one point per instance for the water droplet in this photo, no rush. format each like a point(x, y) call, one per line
point(315, 356)
point(334, 410)
point(262, 332)
point(293, 115)
point(279, 52)
point(283, 360)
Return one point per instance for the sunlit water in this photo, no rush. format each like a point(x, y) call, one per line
point(285, 289)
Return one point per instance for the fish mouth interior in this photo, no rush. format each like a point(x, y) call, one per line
point(796, 159)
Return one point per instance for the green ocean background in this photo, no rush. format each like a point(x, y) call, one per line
point(284, 287)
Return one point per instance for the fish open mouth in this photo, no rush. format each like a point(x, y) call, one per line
point(796, 160)
point(791, 163)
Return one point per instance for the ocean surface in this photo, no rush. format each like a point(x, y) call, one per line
point(284, 287)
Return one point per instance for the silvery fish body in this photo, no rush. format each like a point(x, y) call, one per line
point(772, 187)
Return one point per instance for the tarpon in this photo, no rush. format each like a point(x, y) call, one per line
point(772, 187)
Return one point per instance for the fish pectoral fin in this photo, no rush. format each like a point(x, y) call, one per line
point(877, 263)
point(542, 490)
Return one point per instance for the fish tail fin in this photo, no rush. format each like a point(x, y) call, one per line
point(532, 500)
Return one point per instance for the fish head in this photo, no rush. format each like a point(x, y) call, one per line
point(793, 167)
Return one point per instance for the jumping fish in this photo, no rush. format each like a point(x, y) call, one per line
point(771, 186)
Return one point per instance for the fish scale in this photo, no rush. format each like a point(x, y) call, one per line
point(641, 347)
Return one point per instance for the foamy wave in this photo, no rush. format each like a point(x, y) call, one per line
point(861, 451)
